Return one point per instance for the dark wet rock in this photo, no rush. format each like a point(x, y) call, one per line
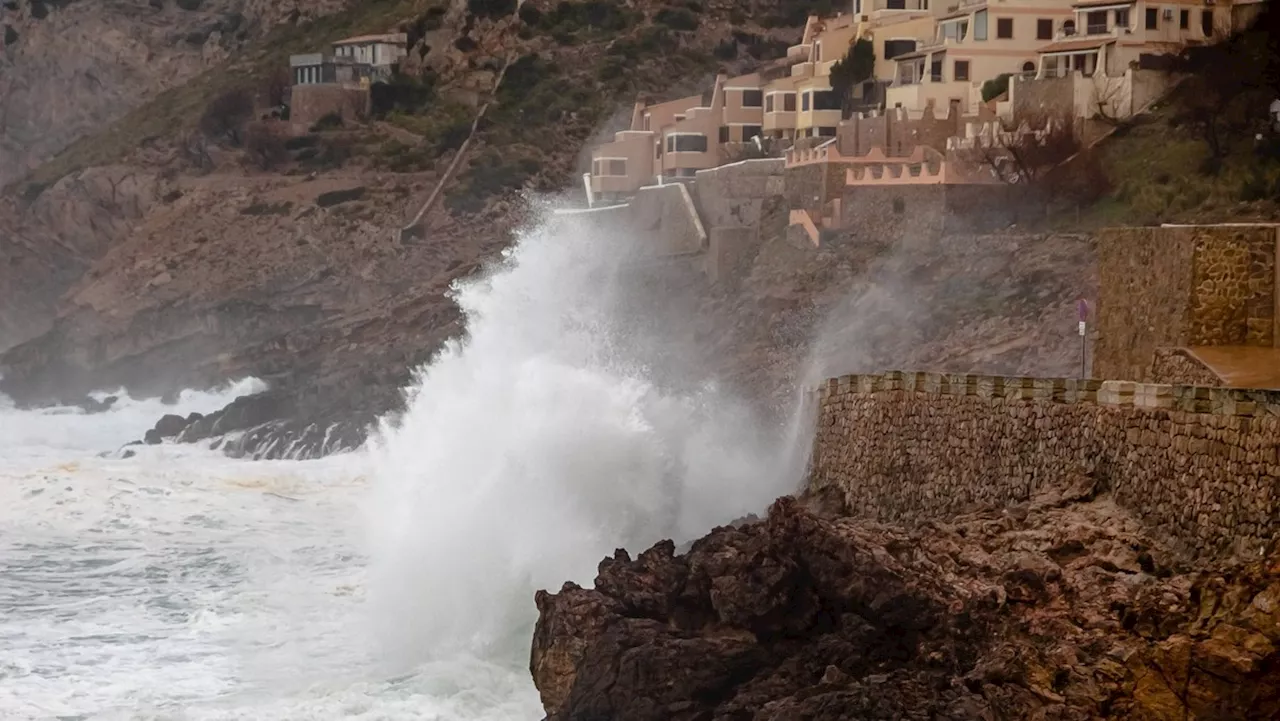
point(816, 618)
point(90, 405)
point(170, 425)
point(152, 438)
point(128, 454)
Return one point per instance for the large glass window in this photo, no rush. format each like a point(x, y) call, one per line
point(894, 48)
point(1152, 18)
point(1004, 28)
point(826, 100)
point(962, 70)
point(980, 25)
point(751, 131)
point(687, 143)
point(789, 102)
point(804, 102)
point(1096, 22)
point(1044, 29)
point(752, 98)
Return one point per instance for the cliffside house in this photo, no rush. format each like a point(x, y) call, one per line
point(974, 43)
point(790, 98)
point(338, 82)
point(354, 61)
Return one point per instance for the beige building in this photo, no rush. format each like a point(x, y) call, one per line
point(789, 99)
point(1115, 36)
point(976, 42)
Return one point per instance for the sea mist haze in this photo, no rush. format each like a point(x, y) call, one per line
point(397, 581)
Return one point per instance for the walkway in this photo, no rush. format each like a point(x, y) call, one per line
point(1242, 366)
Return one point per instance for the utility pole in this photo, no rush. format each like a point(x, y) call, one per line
point(1082, 310)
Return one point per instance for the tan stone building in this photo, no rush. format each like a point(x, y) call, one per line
point(791, 98)
point(976, 42)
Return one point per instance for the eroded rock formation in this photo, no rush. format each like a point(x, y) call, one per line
point(1051, 610)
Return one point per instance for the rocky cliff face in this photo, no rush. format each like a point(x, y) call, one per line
point(70, 67)
point(1059, 609)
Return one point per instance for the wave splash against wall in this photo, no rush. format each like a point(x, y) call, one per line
point(569, 422)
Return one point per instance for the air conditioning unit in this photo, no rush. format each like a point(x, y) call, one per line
point(1168, 13)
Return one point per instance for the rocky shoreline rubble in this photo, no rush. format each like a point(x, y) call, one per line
point(1057, 609)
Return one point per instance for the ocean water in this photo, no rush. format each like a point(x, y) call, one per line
point(395, 582)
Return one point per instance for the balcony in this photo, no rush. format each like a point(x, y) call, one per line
point(798, 53)
point(1097, 29)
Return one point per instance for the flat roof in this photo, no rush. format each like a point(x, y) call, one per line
point(397, 38)
point(1066, 46)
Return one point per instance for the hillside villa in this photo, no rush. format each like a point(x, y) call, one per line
point(1082, 57)
point(338, 82)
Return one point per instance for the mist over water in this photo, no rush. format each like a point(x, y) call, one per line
point(397, 582)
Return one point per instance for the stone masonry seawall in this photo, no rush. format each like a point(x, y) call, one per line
point(1197, 465)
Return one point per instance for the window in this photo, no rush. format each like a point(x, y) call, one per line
point(751, 131)
point(686, 143)
point(1122, 18)
point(1184, 20)
point(826, 100)
point(1068, 27)
point(1004, 28)
point(646, 121)
point(768, 103)
point(724, 133)
point(657, 151)
point(894, 48)
point(595, 167)
point(1044, 29)
point(617, 166)
point(1096, 22)
point(896, 5)
point(752, 98)
point(1153, 18)
point(1206, 23)
point(935, 69)
point(789, 102)
point(962, 70)
point(804, 102)
point(1028, 68)
point(827, 131)
point(980, 25)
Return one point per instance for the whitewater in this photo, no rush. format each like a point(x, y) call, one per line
point(397, 581)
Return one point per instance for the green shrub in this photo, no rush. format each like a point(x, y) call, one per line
point(677, 19)
point(10, 35)
point(300, 142)
point(727, 50)
point(261, 208)
point(490, 174)
point(329, 121)
point(530, 15)
point(995, 87)
point(335, 197)
point(491, 8)
point(403, 93)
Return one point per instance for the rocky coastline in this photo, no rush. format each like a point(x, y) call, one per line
point(1061, 608)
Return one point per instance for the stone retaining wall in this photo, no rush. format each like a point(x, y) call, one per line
point(1198, 465)
point(1177, 366)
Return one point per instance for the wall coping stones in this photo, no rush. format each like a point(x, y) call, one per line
point(1237, 402)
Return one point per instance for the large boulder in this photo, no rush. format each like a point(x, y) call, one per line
point(1038, 614)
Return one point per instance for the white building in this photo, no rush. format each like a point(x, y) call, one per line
point(380, 51)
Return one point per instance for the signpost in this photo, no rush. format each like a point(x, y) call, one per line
point(1082, 310)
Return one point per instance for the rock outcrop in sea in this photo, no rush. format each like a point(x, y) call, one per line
point(1056, 609)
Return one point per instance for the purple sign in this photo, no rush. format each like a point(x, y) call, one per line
point(1082, 308)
